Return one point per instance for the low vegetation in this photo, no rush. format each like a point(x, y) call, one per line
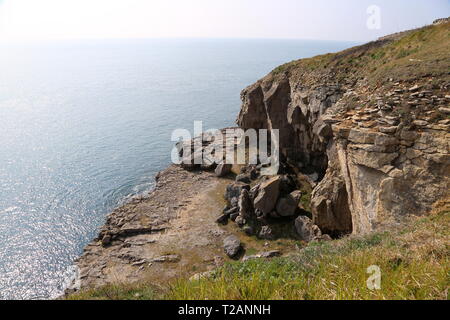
point(415, 54)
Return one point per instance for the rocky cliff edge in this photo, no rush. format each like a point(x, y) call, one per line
point(372, 121)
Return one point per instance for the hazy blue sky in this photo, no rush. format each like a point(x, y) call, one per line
point(307, 19)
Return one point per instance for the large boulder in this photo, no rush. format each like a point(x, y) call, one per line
point(306, 229)
point(287, 206)
point(268, 194)
point(330, 201)
point(232, 246)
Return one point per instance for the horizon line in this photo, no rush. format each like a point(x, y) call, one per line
point(54, 40)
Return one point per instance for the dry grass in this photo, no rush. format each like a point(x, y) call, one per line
point(417, 54)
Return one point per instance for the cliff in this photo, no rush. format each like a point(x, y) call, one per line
point(364, 137)
point(372, 121)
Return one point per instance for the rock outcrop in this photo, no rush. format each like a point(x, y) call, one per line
point(267, 195)
point(232, 246)
point(377, 137)
point(307, 230)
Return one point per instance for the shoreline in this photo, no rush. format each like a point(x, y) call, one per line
point(131, 236)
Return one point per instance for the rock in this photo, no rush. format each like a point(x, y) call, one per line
point(254, 174)
point(234, 216)
point(274, 215)
point(263, 255)
point(444, 110)
point(266, 233)
point(252, 257)
point(362, 137)
point(268, 195)
point(271, 254)
point(254, 191)
point(189, 166)
point(243, 178)
point(296, 195)
point(323, 128)
point(371, 159)
point(440, 21)
point(259, 213)
point(420, 123)
point(408, 135)
point(249, 230)
point(314, 177)
point(223, 219)
point(223, 169)
point(245, 205)
point(414, 88)
point(134, 228)
point(106, 240)
point(323, 238)
point(355, 195)
point(389, 130)
point(172, 258)
point(230, 211)
point(385, 140)
point(139, 263)
point(288, 184)
point(240, 221)
point(208, 164)
point(232, 246)
point(234, 190)
point(306, 229)
point(288, 206)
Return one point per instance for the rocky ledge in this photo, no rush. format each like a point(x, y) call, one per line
point(152, 238)
point(172, 232)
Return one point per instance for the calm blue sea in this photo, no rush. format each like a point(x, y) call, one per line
point(85, 125)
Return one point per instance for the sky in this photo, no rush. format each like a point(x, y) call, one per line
point(353, 20)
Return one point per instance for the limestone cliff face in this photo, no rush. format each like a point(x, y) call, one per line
point(387, 177)
point(295, 111)
point(377, 131)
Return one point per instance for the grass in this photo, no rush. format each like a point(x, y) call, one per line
point(414, 264)
point(305, 200)
point(119, 291)
point(419, 53)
